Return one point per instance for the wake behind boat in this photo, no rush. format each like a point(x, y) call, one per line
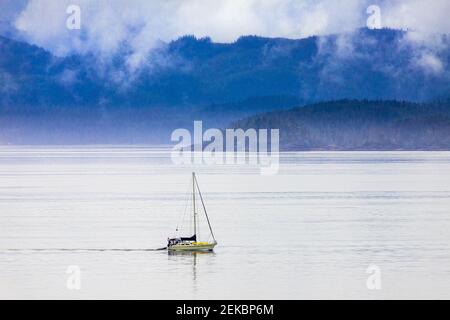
point(191, 243)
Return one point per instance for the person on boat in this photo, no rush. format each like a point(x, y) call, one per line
point(173, 241)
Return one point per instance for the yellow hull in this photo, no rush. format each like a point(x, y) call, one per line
point(194, 246)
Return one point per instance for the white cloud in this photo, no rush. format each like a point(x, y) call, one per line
point(426, 16)
point(105, 25)
point(7, 83)
point(430, 63)
point(68, 77)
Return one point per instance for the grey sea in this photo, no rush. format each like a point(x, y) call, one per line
point(332, 225)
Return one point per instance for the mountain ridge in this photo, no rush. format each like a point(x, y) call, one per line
point(196, 79)
point(368, 64)
point(349, 125)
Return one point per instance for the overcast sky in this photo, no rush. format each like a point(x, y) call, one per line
point(106, 23)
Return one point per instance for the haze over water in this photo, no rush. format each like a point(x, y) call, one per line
point(311, 231)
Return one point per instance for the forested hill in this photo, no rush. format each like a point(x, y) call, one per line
point(89, 99)
point(359, 125)
point(190, 72)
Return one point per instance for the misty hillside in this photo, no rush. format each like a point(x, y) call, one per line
point(112, 125)
point(367, 64)
point(359, 125)
point(98, 99)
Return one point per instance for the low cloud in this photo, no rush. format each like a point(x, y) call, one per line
point(141, 24)
point(7, 83)
point(430, 63)
point(422, 16)
point(105, 25)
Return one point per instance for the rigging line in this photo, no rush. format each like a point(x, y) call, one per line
point(180, 223)
point(204, 208)
point(196, 215)
point(193, 203)
point(186, 202)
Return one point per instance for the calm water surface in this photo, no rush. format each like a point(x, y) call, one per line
point(311, 231)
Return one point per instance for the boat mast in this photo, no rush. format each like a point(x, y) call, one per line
point(193, 199)
point(204, 208)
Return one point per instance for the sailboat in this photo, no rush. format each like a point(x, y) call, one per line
point(191, 243)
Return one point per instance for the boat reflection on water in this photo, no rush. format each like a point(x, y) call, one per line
point(190, 256)
point(189, 253)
